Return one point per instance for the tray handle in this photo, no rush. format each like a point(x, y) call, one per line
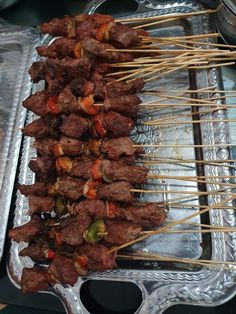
point(93, 5)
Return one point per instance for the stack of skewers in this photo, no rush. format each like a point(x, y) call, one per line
point(83, 202)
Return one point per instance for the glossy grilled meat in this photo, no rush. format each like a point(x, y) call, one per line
point(126, 104)
point(36, 251)
point(118, 147)
point(60, 48)
point(116, 191)
point(34, 279)
point(37, 103)
point(69, 187)
point(27, 231)
point(43, 127)
point(44, 168)
point(74, 125)
point(40, 204)
point(38, 188)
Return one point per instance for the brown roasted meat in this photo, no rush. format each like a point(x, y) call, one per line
point(60, 48)
point(126, 104)
point(45, 146)
point(118, 147)
point(40, 204)
point(43, 127)
point(44, 168)
point(120, 232)
point(62, 270)
point(37, 103)
point(57, 27)
point(37, 251)
point(116, 191)
point(69, 187)
point(27, 231)
point(74, 125)
point(37, 188)
point(34, 279)
point(94, 208)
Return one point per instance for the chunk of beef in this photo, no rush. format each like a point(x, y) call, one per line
point(67, 102)
point(81, 168)
point(70, 187)
point(38, 188)
point(36, 251)
point(124, 36)
point(45, 146)
point(57, 27)
point(37, 71)
point(94, 208)
point(27, 231)
point(37, 103)
point(120, 232)
point(82, 87)
point(71, 146)
point(34, 279)
point(43, 167)
point(74, 126)
point(126, 104)
point(115, 148)
point(116, 191)
point(40, 204)
point(60, 48)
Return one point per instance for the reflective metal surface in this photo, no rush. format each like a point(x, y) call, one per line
point(164, 285)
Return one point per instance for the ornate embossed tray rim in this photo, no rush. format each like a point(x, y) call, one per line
point(160, 288)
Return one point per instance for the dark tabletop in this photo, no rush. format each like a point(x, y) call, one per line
point(100, 297)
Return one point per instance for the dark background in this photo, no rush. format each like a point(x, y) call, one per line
point(99, 297)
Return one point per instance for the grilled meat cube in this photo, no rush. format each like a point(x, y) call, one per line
point(115, 148)
point(82, 87)
point(85, 29)
point(81, 168)
point(71, 146)
point(100, 19)
point(98, 258)
point(116, 191)
point(127, 105)
point(114, 89)
point(74, 125)
point(38, 188)
point(67, 102)
point(41, 128)
point(45, 146)
point(113, 171)
point(123, 36)
point(69, 68)
point(34, 279)
point(36, 251)
point(27, 231)
point(72, 229)
point(70, 187)
point(43, 167)
point(62, 270)
point(37, 103)
point(37, 71)
point(60, 48)
point(40, 204)
point(147, 215)
point(94, 208)
point(111, 124)
point(120, 232)
point(57, 27)
point(99, 49)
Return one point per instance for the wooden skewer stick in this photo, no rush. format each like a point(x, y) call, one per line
point(203, 104)
point(208, 35)
point(194, 177)
point(171, 19)
point(197, 224)
point(184, 145)
point(172, 51)
point(231, 229)
point(196, 100)
point(163, 229)
point(166, 159)
point(215, 192)
point(166, 16)
point(158, 122)
point(206, 263)
point(189, 206)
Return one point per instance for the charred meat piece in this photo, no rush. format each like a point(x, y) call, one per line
point(37, 103)
point(116, 191)
point(57, 27)
point(114, 89)
point(34, 279)
point(123, 36)
point(98, 49)
point(98, 258)
point(127, 105)
point(120, 232)
point(37, 71)
point(94, 208)
point(69, 146)
point(45, 146)
point(41, 128)
point(62, 270)
point(59, 48)
point(113, 171)
point(69, 68)
point(118, 147)
point(72, 229)
point(111, 124)
point(81, 168)
point(82, 87)
point(147, 215)
point(40, 204)
point(70, 187)
point(38, 188)
point(74, 125)
point(67, 102)
point(43, 167)
point(37, 251)
point(27, 231)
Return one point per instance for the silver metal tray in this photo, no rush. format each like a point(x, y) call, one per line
point(163, 285)
point(17, 51)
